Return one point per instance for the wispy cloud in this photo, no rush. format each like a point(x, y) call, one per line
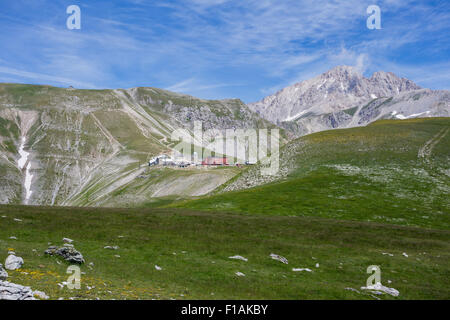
point(43, 77)
point(220, 48)
point(194, 86)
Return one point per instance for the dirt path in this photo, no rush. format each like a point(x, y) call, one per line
point(427, 148)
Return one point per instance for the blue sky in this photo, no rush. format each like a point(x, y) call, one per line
point(220, 48)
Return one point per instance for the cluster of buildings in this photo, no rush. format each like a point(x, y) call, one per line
point(179, 161)
point(165, 160)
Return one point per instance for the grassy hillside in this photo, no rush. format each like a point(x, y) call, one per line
point(86, 145)
point(192, 248)
point(395, 172)
point(344, 200)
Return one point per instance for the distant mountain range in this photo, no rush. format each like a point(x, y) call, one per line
point(343, 97)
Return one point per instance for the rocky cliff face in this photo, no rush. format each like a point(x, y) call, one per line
point(335, 90)
point(343, 97)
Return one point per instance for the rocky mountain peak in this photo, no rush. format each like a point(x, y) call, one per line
point(337, 89)
point(393, 82)
point(343, 71)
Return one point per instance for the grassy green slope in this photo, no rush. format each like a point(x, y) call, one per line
point(193, 249)
point(390, 171)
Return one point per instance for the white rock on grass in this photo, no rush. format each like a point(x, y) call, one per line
point(111, 247)
point(301, 269)
point(238, 258)
point(279, 258)
point(3, 273)
point(13, 262)
point(67, 240)
point(158, 268)
point(240, 274)
point(379, 288)
point(405, 255)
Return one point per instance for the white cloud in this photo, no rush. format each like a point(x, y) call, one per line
point(193, 85)
point(43, 77)
point(209, 42)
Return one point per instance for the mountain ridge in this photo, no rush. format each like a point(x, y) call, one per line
point(334, 99)
point(82, 147)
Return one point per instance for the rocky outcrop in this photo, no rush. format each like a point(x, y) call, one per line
point(185, 109)
point(12, 291)
point(67, 252)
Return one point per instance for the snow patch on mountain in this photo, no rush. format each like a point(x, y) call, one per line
point(28, 176)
